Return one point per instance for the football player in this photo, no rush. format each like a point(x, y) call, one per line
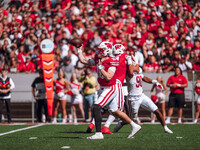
point(107, 94)
point(137, 98)
point(125, 62)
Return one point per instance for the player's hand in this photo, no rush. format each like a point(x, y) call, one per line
point(101, 60)
point(79, 50)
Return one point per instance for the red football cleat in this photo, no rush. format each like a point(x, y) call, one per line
point(90, 128)
point(105, 130)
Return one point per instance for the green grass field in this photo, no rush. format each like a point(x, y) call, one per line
point(54, 137)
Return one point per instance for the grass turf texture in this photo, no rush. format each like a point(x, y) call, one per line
point(53, 137)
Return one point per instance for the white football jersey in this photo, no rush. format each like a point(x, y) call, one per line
point(135, 84)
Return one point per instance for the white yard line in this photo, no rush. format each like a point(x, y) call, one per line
point(13, 131)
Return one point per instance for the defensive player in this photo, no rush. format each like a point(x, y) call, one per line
point(107, 95)
point(137, 98)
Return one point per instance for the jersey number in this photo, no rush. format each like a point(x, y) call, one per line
point(139, 81)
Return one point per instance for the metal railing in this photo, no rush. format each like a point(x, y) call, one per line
point(22, 92)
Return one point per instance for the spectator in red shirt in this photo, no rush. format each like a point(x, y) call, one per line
point(188, 43)
point(127, 6)
point(66, 4)
point(177, 83)
point(196, 48)
point(164, 28)
point(189, 20)
point(154, 24)
point(21, 55)
point(173, 38)
point(186, 5)
point(29, 66)
point(170, 21)
point(152, 66)
point(144, 32)
point(196, 64)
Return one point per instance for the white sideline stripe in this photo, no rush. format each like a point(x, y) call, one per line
point(13, 131)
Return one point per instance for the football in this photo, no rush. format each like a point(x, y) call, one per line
point(77, 42)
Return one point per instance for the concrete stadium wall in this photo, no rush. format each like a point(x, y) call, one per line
point(22, 91)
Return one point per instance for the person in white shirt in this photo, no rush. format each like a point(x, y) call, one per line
point(6, 85)
point(185, 65)
point(138, 55)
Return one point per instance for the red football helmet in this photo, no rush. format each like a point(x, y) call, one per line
point(154, 98)
point(118, 49)
point(105, 49)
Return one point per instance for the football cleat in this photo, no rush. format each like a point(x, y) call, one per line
point(105, 130)
point(90, 128)
point(135, 130)
point(96, 136)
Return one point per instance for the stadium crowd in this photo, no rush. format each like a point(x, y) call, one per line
point(163, 34)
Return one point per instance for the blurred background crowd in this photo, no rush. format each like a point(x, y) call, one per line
point(162, 33)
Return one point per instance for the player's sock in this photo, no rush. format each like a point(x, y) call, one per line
point(133, 124)
point(118, 127)
point(97, 135)
point(109, 121)
point(138, 120)
point(97, 117)
point(167, 130)
point(93, 121)
point(179, 120)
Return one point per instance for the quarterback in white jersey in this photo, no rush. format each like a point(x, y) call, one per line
point(137, 98)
